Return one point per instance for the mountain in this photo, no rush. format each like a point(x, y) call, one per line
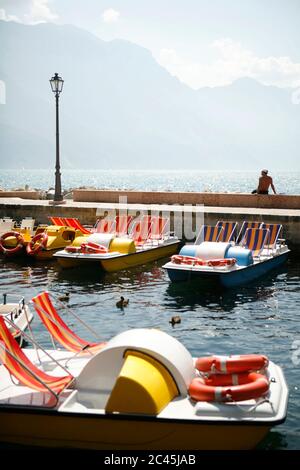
point(120, 109)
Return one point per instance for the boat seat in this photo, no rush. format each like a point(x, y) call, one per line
point(229, 232)
point(69, 222)
point(245, 225)
point(27, 224)
point(140, 230)
point(26, 372)
point(255, 240)
point(6, 225)
point(209, 233)
point(59, 330)
point(275, 230)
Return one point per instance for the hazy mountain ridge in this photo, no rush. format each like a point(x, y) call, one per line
point(121, 109)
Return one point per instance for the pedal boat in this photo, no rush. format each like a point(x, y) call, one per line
point(52, 239)
point(14, 241)
point(40, 243)
point(119, 252)
point(18, 312)
point(132, 395)
point(225, 263)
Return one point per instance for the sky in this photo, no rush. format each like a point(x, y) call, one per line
point(201, 42)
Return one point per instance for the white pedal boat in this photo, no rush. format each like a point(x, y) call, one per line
point(134, 394)
point(214, 265)
point(18, 312)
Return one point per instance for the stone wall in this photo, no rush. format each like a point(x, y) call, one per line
point(88, 213)
point(21, 194)
point(273, 201)
point(41, 213)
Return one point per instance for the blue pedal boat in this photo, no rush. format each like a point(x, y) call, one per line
point(231, 260)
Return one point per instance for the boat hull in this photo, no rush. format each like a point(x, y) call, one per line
point(46, 254)
point(137, 259)
point(73, 261)
point(232, 278)
point(117, 263)
point(54, 429)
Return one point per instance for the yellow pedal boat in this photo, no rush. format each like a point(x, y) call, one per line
point(51, 239)
point(40, 242)
point(116, 253)
point(133, 394)
point(14, 239)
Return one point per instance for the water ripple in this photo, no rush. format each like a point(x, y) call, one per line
point(260, 317)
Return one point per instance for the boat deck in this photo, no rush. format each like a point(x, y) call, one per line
point(71, 401)
point(14, 394)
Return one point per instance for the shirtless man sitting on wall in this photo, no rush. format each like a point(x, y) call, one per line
point(264, 183)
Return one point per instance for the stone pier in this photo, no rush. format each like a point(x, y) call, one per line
point(195, 204)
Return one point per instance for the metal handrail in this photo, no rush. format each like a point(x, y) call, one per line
point(5, 298)
point(56, 396)
point(69, 310)
point(85, 348)
point(29, 338)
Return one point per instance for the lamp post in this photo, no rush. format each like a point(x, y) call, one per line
point(57, 84)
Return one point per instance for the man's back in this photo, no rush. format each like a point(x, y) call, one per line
point(265, 182)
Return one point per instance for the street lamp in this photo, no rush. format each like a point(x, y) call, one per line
point(57, 84)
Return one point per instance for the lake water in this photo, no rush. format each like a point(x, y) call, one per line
point(262, 317)
point(287, 182)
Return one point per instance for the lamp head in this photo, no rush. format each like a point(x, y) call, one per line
point(56, 83)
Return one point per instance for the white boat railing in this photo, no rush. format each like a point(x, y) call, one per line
point(37, 345)
point(35, 376)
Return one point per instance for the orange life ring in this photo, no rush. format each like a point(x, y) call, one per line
point(190, 260)
point(73, 249)
point(221, 262)
point(195, 261)
point(91, 247)
point(232, 364)
point(222, 380)
point(176, 259)
point(15, 249)
point(38, 242)
point(251, 385)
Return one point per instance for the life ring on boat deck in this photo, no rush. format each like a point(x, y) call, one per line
point(178, 259)
point(190, 260)
point(38, 242)
point(232, 364)
point(91, 247)
point(194, 261)
point(73, 249)
point(221, 262)
point(250, 385)
point(15, 249)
